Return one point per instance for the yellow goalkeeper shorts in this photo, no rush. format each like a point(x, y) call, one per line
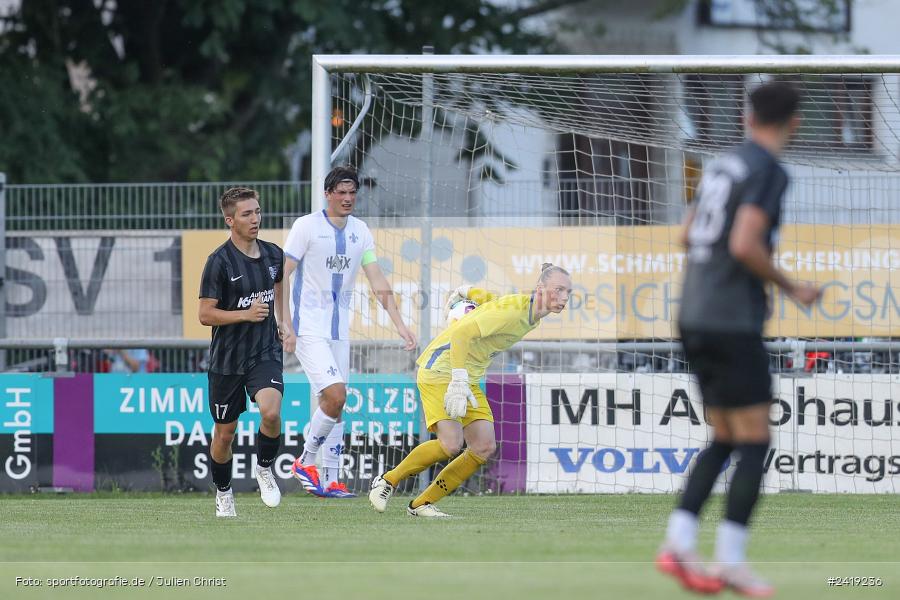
point(432, 395)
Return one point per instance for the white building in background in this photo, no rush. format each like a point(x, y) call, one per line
point(858, 118)
point(541, 177)
point(724, 27)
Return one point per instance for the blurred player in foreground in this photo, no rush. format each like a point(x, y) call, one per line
point(448, 375)
point(729, 236)
point(240, 293)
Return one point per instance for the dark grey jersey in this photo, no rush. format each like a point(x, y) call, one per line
point(235, 280)
point(719, 293)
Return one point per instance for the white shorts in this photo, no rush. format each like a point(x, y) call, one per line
point(324, 361)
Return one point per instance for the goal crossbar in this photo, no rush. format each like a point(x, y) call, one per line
point(760, 63)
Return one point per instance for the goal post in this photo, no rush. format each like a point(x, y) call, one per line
point(589, 162)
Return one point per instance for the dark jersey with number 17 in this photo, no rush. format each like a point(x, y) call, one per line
point(235, 280)
point(720, 294)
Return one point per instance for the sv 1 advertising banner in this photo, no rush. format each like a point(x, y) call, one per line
point(93, 284)
point(602, 433)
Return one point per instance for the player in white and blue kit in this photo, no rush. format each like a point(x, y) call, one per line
point(327, 248)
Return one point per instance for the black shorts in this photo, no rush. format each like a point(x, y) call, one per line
point(228, 393)
point(732, 368)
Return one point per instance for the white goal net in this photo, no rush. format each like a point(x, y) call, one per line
point(475, 171)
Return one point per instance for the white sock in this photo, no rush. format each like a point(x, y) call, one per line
point(332, 451)
point(330, 475)
point(682, 530)
point(319, 428)
point(731, 543)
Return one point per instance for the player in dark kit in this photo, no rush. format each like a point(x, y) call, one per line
point(729, 236)
point(240, 294)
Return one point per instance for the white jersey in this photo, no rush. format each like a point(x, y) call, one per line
point(329, 259)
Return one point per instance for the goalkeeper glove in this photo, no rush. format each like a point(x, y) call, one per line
point(456, 295)
point(458, 394)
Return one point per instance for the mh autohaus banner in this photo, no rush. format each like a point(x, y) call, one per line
point(602, 433)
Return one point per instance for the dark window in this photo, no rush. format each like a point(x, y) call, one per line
point(797, 15)
point(837, 114)
point(714, 104)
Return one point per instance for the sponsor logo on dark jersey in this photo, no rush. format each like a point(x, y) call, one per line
point(265, 295)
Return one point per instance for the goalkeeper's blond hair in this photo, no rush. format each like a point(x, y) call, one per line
point(548, 269)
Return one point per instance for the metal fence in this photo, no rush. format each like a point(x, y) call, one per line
point(184, 356)
point(141, 206)
point(586, 201)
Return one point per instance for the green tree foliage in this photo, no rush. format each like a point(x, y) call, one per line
point(202, 89)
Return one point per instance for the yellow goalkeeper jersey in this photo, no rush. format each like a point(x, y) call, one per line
point(502, 321)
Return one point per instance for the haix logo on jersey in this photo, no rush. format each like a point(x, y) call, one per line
point(338, 263)
point(265, 295)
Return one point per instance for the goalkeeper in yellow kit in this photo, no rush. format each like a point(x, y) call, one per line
point(448, 375)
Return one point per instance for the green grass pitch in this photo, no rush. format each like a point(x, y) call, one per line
point(558, 547)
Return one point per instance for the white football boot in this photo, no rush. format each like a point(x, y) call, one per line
point(225, 504)
point(426, 510)
point(381, 491)
point(268, 487)
point(743, 581)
